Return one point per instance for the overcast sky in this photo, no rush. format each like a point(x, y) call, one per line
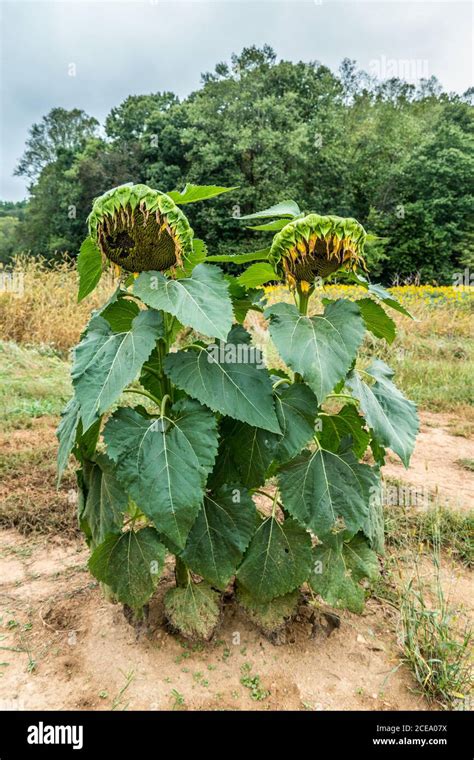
point(130, 47)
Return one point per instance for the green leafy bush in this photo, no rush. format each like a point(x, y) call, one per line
point(212, 426)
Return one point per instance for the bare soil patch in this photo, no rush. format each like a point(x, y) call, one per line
point(435, 462)
point(84, 653)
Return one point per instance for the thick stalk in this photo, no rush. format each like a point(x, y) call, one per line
point(162, 346)
point(181, 573)
point(302, 301)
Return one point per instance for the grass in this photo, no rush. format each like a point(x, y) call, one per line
point(434, 642)
point(466, 464)
point(451, 529)
point(434, 635)
point(48, 313)
point(34, 382)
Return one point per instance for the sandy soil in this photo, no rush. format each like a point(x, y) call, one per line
point(63, 646)
point(434, 464)
point(84, 652)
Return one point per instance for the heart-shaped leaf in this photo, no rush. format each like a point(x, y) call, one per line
point(131, 564)
point(320, 348)
point(220, 534)
point(392, 417)
point(164, 463)
point(200, 301)
point(277, 560)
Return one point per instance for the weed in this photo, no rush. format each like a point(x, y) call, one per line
point(257, 692)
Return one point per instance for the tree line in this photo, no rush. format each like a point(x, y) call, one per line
point(396, 156)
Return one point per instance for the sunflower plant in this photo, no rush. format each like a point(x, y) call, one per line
point(258, 480)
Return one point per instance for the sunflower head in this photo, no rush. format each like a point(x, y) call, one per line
point(140, 229)
point(317, 246)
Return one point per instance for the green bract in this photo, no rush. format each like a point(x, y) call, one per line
point(317, 246)
point(258, 480)
point(140, 229)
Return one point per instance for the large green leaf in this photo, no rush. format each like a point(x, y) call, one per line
point(240, 258)
point(193, 193)
point(220, 535)
point(346, 423)
point(258, 274)
point(106, 500)
point(194, 610)
point(320, 488)
point(201, 301)
point(275, 226)
point(151, 375)
point(228, 379)
point(245, 454)
point(71, 437)
point(392, 417)
point(338, 567)
point(131, 564)
point(388, 299)
point(380, 292)
point(66, 434)
point(121, 313)
point(106, 362)
point(374, 526)
point(320, 348)
point(244, 299)
point(288, 209)
point(89, 267)
point(270, 616)
point(277, 560)
point(197, 256)
point(164, 463)
point(376, 319)
point(296, 408)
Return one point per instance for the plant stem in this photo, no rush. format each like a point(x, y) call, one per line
point(164, 401)
point(264, 493)
point(303, 298)
point(302, 302)
point(342, 395)
point(143, 393)
point(181, 573)
point(275, 501)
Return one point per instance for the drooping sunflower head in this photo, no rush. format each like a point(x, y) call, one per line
point(317, 246)
point(140, 229)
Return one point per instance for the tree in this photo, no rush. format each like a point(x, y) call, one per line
point(8, 237)
point(58, 131)
point(430, 234)
point(345, 144)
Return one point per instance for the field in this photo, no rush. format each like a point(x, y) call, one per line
point(63, 646)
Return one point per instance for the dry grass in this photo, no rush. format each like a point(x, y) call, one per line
point(47, 313)
point(29, 499)
point(433, 357)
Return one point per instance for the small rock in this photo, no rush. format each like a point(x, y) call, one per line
point(360, 639)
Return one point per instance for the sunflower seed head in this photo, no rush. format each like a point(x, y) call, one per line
point(140, 229)
point(317, 246)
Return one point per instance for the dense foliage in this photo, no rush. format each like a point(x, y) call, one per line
point(177, 472)
point(395, 156)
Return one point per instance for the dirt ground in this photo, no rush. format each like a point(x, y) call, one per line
point(435, 462)
point(63, 646)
